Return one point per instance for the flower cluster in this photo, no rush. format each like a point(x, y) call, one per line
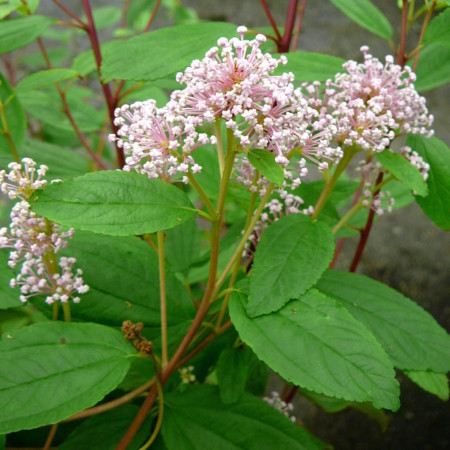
point(417, 161)
point(371, 103)
point(286, 408)
point(34, 242)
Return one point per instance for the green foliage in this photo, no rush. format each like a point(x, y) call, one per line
point(115, 203)
point(140, 58)
point(290, 257)
point(409, 335)
point(366, 15)
point(14, 115)
point(315, 343)
point(16, 33)
point(436, 153)
point(123, 276)
point(264, 162)
point(77, 363)
point(310, 66)
point(404, 171)
point(197, 419)
point(433, 69)
point(435, 383)
point(103, 432)
point(44, 78)
point(438, 31)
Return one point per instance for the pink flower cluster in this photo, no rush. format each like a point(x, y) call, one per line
point(371, 103)
point(35, 241)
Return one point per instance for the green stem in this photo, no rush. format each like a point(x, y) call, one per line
point(329, 186)
point(240, 248)
point(55, 310)
point(66, 310)
point(346, 217)
point(7, 133)
point(162, 290)
point(218, 133)
point(201, 192)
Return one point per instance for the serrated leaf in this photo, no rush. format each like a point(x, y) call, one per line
point(15, 33)
point(316, 344)
point(45, 78)
point(410, 336)
point(77, 363)
point(140, 57)
point(9, 298)
point(290, 257)
point(310, 66)
point(123, 278)
point(197, 420)
point(434, 383)
point(366, 15)
point(438, 30)
point(104, 432)
point(404, 171)
point(114, 202)
point(436, 153)
point(433, 69)
point(232, 372)
point(15, 117)
point(264, 162)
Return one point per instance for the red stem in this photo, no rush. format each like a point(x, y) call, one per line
point(422, 33)
point(285, 43)
point(271, 20)
point(366, 231)
point(401, 59)
point(93, 37)
point(298, 25)
point(70, 14)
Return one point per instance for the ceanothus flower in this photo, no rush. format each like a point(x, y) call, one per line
point(34, 242)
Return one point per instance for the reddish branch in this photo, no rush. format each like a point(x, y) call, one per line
point(401, 59)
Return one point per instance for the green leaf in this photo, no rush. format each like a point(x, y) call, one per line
point(232, 373)
point(182, 246)
point(400, 193)
point(47, 109)
point(404, 171)
point(45, 78)
point(15, 117)
point(264, 161)
point(11, 6)
point(438, 30)
point(9, 298)
point(410, 336)
point(62, 162)
point(16, 33)
point(258, 376)
point(310, 66)
point(433, 69)
point(114, 202)
point(316, 344)
point(77, 363)
point(434, 383)
point(140, 58)
point(104, 432)
point(290, 257)
point(57, 57)
point(366, 15)
point(436, 153)
point(123, 278)
point(197, 420)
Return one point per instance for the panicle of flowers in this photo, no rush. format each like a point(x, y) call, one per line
point(378, 202)
point(157, 142)
point(416, 160)
point(22, 179)
point(279, 404)
point(371, 103)
point(273, 211)
point(263, 111)
point(34, 242)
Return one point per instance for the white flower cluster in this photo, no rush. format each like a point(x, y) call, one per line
point(417, 161)
point(35, 242)
point(286, 408)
